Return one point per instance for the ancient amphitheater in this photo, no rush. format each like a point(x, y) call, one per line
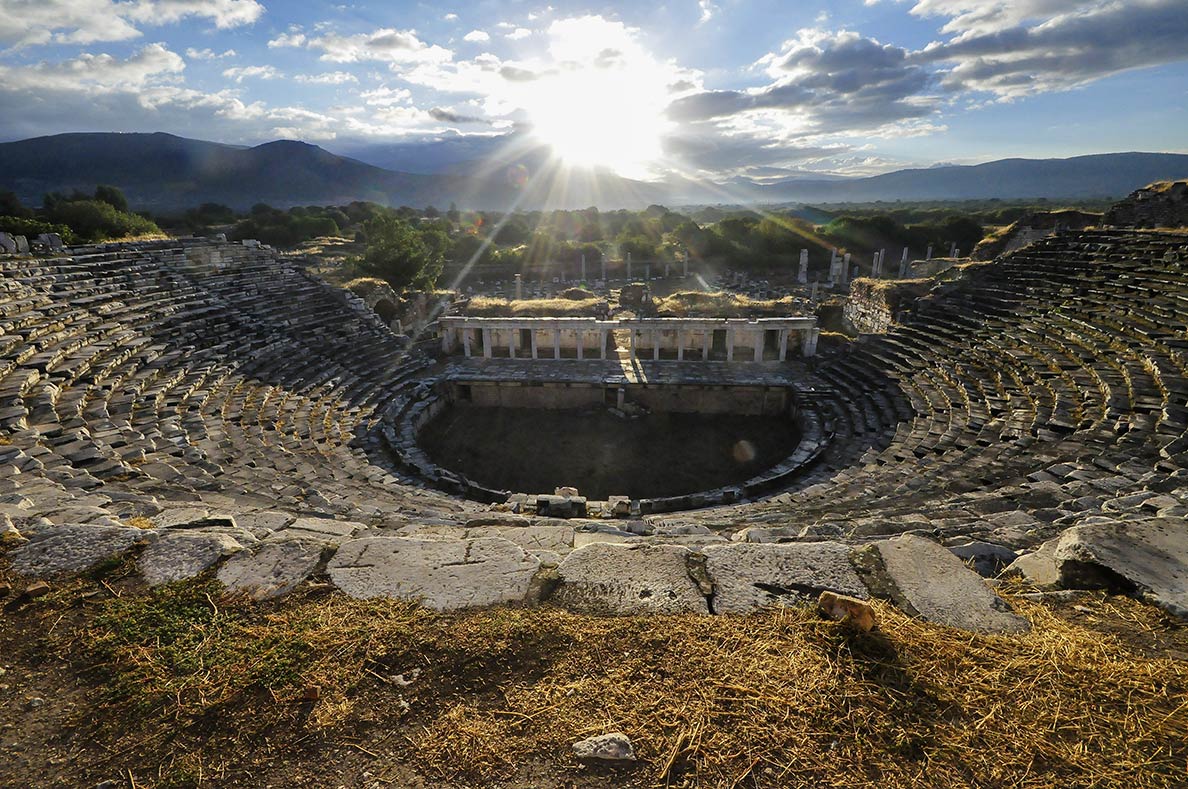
point(259, 420)
point(188, 409)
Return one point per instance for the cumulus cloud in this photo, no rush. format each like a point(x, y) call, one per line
point(477, 36)
point(1024, 52)
point(386, 44)
point(836, 80)
point(100, 73)
point(209, 54)
point(449, 116)
point(518, 33)
point(327, 78)
point(293, 38)
point(240, 73)
point(707, 10)
point(32, 22)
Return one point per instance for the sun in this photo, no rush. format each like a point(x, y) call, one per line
point(601, 101)
point(600, 119)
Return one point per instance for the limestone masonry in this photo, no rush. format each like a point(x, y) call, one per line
point(211, 407)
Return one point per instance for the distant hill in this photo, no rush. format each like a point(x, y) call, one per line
point(1098, 175)
point(162, 172)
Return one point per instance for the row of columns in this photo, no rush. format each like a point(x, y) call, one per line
point(514, 343)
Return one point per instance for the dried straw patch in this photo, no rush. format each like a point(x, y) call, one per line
point(491, 307)
point(773, 700)
point(721, 304)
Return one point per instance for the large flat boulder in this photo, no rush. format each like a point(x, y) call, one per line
point(180, 555)
point(273, 568)
point(926, 580)
point(747, 576)
point(74, 548)
point(1149, 555)
point(615, 578)
point(441, 574)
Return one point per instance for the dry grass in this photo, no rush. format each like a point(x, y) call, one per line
point(773, 700)
point(721, 304)
point(491, 307)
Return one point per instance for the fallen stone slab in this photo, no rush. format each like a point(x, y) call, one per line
point(987, 559)
point(442, 574)
point(926, 580)
point(558, 539)
point(1037, 568)
point(180, 555)
point(332, 531)
point(747, 576)
point(616, 578)
point(272, 568)
point(1150, 556)
point(74, 548)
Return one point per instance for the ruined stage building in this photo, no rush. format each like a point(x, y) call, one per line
point(680, 339)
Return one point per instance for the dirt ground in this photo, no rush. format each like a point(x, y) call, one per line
point(107, 684)
point(661, 454)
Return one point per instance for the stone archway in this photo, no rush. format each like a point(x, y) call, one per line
point(387, 310)
point(379, 296)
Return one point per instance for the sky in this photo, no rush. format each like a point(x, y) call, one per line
point(720, 89)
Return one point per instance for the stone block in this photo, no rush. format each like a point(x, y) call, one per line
point(606, 578)
point(927, 580)
point(441, 574)
point(747, 576)
point(1150, 555)
point(180, 555)
point(73, 548)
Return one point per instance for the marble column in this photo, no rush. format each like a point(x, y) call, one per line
point(535, 350)
point(602, 343)
point(783, 345)
point(655, 345)
point(557, 344)
point(760, 336)
point(486, 343)
point(581, 343)
point(730, 345)
point(466, 342)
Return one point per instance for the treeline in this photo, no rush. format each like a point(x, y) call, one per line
point(77, 217)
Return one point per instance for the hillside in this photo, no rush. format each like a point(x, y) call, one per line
point(163, 172)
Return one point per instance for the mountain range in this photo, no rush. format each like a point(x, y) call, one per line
point(161, 172)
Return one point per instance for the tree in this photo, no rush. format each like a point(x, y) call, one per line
point(10, 205)
point(398, 253)
point(112, 196)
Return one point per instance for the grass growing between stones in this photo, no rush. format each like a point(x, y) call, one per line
point(183, 682)
point(493, 307)
point(722, 304)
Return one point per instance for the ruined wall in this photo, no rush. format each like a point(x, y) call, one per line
point(874, 304)
point(743, 400)
point(1163, 204)
point(703, 399)
point(525, 395)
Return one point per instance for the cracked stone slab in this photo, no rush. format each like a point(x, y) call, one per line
point(1151, 555)
point(179, 555)
point(332, 531)
point(272, 568)
point(616, 578)
point(179, 516)
point(747, 576)
point(557, 539)
point(74, 548)
point(1038, 568)
point(442, 574)
point(926, 580)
